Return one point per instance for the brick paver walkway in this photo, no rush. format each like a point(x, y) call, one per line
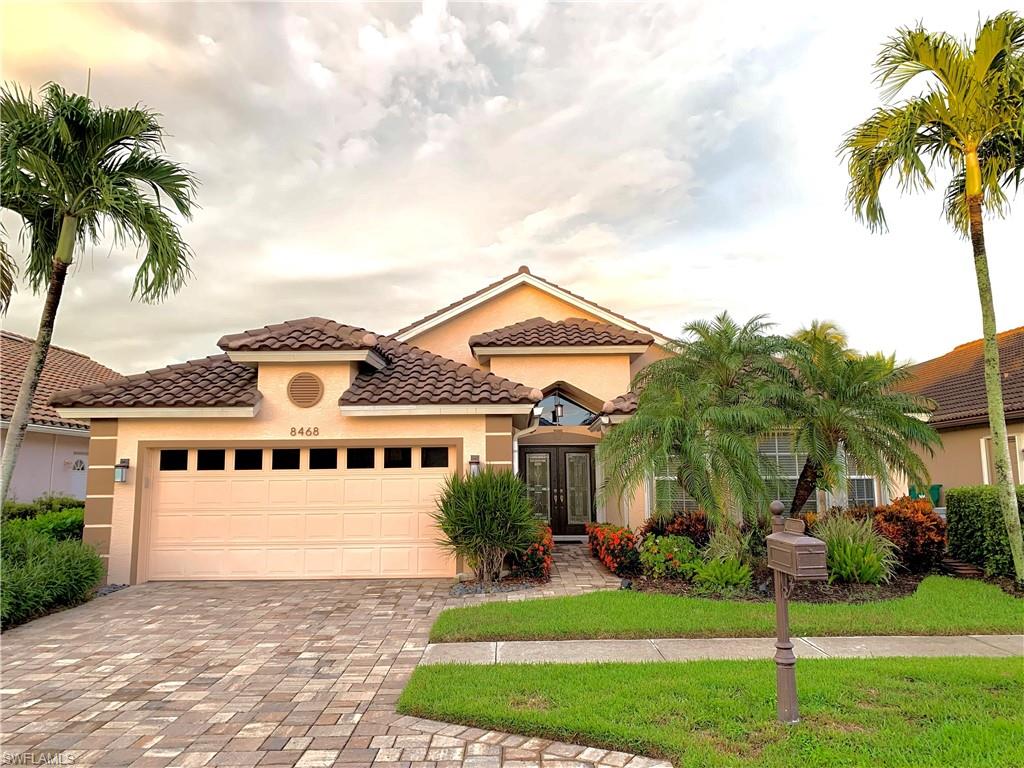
point(258, 673)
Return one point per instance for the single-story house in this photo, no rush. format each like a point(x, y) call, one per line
point(313, 449)
point(54, 453)
point(956, 382)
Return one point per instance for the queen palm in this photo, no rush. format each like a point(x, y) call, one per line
point(968, 120)
point(701, 411)
point(69, 168)
point(845, 409)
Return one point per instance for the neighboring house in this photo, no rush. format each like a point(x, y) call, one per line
point(54, 455)
point(312, 449)
point(956, 382)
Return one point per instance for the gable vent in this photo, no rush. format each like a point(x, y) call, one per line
point(305, 390)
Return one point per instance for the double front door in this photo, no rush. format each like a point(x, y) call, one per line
point(560, 481)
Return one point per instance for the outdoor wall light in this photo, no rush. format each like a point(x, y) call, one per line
point(474, 464)
point(121, 471)
point(559, 412)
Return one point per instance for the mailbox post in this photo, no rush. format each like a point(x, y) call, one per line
point(792, 556)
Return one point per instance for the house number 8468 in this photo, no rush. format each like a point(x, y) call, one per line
point(305, 431)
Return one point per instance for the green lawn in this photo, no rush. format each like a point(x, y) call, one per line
point(941, 606)
point(856, 712)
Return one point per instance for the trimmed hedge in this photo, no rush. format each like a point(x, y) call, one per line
point(61, 525)
point(41, 575)
point(21, 510)
point(975, 528)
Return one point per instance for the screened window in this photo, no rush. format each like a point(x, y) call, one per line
point(431, 458)
point(397, 458)
point(173, 460)
point(285, 458)
point(782, 461)
point(359, 458)
point(323, 458)
point(209, 459)
point(861, 492)
point(248, 458)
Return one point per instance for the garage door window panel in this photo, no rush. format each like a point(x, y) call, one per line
point(248, 459)
point(398, 458)
point(285, 458)
point(434, 457)
point(323, 458)
point(210, 459)
point(173, 460)
point(360, 458)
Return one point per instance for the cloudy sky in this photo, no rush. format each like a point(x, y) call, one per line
point(370, 163)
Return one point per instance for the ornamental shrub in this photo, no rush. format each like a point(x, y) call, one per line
point(976, 531)
point(692, 525)
point(41, 574)
point(535, 562)
point(485, 518)
point(60, 525)
point(668, 557)
point(727, 577)
point(615, 547)
point(916, 529)
point(856, 552)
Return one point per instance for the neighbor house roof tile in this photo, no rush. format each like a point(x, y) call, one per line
point(414, 376)
point(63, 369)
point(573, 332)
point(956, 381)
point(310, 333)
point(212, 382)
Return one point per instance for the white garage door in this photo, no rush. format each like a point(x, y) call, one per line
point(297, 513)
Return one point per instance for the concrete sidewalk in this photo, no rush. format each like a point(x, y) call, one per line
point(685, 649)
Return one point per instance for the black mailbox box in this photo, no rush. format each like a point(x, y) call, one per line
point(796, 554)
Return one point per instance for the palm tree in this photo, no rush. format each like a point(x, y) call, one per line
point(846, 409)
point(701, 412)
point(68, 167)
point(967, 119)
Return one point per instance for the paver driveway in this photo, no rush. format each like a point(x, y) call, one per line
point(268, 673)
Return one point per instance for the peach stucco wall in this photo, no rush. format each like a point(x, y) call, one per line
point(603, 376)
point(523, 302)
point(274, 422)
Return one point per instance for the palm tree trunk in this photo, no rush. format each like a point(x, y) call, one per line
point(37, 359)
point(993, 388)
point(805, 486)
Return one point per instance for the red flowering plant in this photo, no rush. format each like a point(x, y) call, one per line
point(615, 547)
point(916, 529)
point(535, 562)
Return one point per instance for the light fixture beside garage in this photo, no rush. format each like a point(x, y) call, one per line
point(121, 471)
point(305, 390)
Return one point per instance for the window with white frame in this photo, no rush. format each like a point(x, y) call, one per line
point(861, 491)
point(667, 495)
point(783, 466)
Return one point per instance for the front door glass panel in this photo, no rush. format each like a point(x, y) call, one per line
point(578, 497)
point(538, 483)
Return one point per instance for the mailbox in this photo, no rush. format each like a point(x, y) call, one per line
point(794, 553)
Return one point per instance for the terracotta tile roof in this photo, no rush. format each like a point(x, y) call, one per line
point(574, 332)
point(63, 369)
point(956, 381)
point(299, 335)
point(414, 376)
point(623, 405)
point(496, 283)
point(207, 383)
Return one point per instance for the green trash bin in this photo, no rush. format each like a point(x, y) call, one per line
point(935, 493)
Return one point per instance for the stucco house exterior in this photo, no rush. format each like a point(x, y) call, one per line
point(314, 449)
point(956, 382)
point(54, 454)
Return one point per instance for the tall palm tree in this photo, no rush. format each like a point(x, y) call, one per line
point(846, 409)
point(69, 167)
point(967, 119)
point(701, 412)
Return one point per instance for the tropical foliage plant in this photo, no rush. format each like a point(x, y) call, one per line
point(726, 578)
point(915, 528)
point(71, 170)
point(668, 557)
point(856, 552)
point(484, 518)
point(966, 119)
